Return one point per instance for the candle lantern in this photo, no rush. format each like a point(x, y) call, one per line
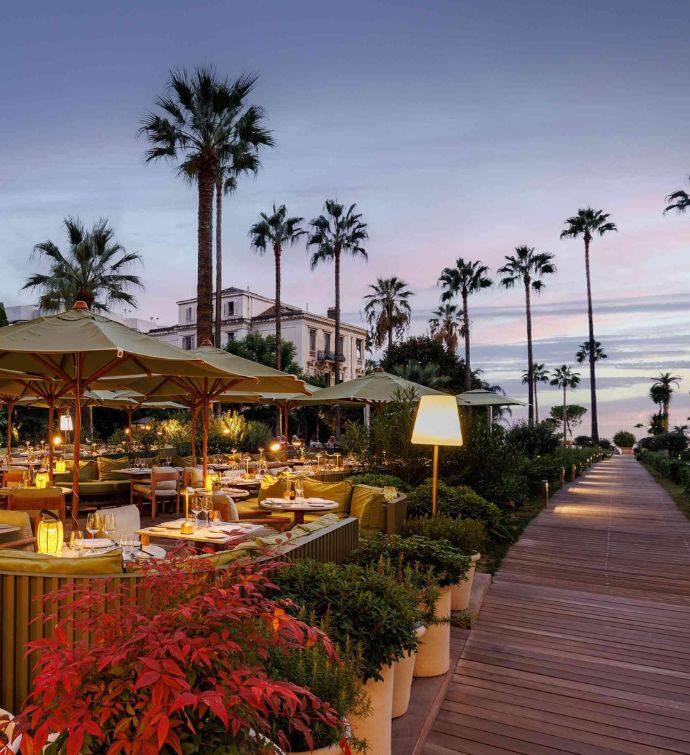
point(42, 479)
point(60, 466)
point(50, 533)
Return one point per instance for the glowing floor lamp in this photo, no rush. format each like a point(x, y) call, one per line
point(437, 424)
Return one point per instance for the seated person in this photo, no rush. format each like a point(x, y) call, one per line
point(332, 442)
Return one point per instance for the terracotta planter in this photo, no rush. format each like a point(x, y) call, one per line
point(461, 592)
point(402, 680)
point(376, 727)
point(433, 656)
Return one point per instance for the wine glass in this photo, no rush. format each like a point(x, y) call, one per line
point(129, 546)
point(76, 542)
point(299, 490)
point(93, 523)
point(109, 526)
point(26, 477)
point(195, 507)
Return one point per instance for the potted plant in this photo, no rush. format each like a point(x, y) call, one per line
point(179, 667)
point(447, 565)
point(467, 535)
point(372, 611)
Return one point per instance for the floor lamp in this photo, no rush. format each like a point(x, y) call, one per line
point(437, 424)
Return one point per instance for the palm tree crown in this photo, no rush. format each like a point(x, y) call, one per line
point(388, 309)
point(465, 278)
point(276, 230)
point(582, 354)
point(94, 270)
point(661, 392)
point(425, 374)
point(538, 374)
point(678, 201)
point(446, 325)
point(208, 127)
point(338, 231)
point(563, 377)
point(528, 267)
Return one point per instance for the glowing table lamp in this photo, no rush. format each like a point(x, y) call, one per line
point(437, 424)
point(49, 533)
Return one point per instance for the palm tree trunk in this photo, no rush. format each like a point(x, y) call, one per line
point(536, 404)
point(277, 251)
point(466, 320)
point(564, 417)
point(592, 375)
point(219, 262)
point(204, 285)
point(667, 409)
point(530, 359)
point(337, 335)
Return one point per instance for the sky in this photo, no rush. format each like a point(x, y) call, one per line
point(459, 128)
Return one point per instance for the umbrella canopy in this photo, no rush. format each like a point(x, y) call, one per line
point(484, 397)
point(78, 348)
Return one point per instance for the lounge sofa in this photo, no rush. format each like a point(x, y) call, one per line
point(98, 478)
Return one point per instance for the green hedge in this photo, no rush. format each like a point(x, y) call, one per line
point(676, 470)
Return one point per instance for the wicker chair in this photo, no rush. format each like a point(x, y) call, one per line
point(164, 485)
point(34, 500)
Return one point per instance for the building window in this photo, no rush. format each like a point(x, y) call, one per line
point(341, 346)
point(187, 342)
point(229, 309)
point(312, 340)
point(231, 336)
point(188, 315)
point(359, 349)
point(327, 378)
point(327, 341)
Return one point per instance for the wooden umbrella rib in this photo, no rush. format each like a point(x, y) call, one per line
point(50, 364)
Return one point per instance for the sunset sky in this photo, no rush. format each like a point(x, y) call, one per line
point(459, 129)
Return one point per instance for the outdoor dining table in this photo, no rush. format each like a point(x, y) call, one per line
point(219, 535)
point(234, 493)
point(104, 545)
point(5, 490)
point(299, 508)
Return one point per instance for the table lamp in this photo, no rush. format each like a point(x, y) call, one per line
point(437, 424)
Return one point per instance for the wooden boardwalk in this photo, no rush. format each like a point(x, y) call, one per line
point(583, 641)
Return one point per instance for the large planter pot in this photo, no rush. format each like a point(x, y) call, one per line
point(376, 727)
point(402, 679)
point(461, 592)
point(433, 656)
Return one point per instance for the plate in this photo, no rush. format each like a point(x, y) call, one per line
point(214, 535)
point(175, 525)
point(98, 542)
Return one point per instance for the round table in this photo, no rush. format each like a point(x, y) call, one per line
point(298, 508)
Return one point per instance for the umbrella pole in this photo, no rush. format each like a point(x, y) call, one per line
point(130, 438)
point(10, 409)
point(193, 434)
point(204, 443)
point(77, 437)
point(51, 423)
point(286, 419)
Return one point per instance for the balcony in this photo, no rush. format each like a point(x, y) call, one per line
point(329, 356)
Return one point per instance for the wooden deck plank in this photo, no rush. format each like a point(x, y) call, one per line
point(583, 641)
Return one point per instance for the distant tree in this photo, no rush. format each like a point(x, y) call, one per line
point(387, 309)
point(584, 441)
point(586, 223)
point(465, 278)
point(539, 375)
point(563, 377)
point(680, 429)
point(428, 374)
point(574, 415)
point(446, 325)
point(527, 267)
point(425, 350)
point(3, 316)
point(94, 269)
point(582, 354)
point(262, 349)
point(678, 201)
point(624, 439)
point(661, 392)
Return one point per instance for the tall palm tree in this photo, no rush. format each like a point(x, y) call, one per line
point(276, 230)
point(582, 354)
point(467, 277)
point(539, 375)
point(678, 201)
point(388, 309)
point(586, 223)
point(337, 232)
point(527, 267)
point(565, 378)
point(207, 126)
point(661, 391)
point(94, 269)
point(447, 325)
point(425, 374)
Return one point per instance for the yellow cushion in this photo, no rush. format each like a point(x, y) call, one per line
point(39, 563)
point(88, 470)
point(271, 487)
point(340, 492)
point(390, 493)
point(325, 520)
point(369, 506)
point(181, 461)
point(19, 519)
point(107, 468)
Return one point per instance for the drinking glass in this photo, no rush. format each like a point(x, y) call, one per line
point(129, 545)
point(26, 477)
point(76, 542)
point(93, 523)
point(109, 525)
point(195, 507)
point(299, 490)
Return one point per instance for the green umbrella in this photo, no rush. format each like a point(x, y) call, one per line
point(484, 397)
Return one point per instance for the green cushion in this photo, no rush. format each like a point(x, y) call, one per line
point(106, 487)
point(88, 470)
point(19, 519)
point(181, 461)
point(107, 468)
point(271, 487)
point(325, 520)
point(340, 492)
point(369, 506)
point(39, 563)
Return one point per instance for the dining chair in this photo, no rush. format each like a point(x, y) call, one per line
point(34, 500)
point(224, 504)
point(164, 485)
point(13, 478)
point(127, 520)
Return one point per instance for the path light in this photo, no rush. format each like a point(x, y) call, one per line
point(437, 424)
point(545, 483)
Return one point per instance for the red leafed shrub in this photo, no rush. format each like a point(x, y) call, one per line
point(177, 668)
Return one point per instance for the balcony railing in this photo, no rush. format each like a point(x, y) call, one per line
point(329, 356)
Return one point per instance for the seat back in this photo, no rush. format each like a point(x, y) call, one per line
point(193, 477)
point(36, 499)
point(226, 506)
point(164, 478)
point(13, 478)
point(127, 520)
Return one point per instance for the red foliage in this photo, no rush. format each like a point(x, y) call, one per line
point(177, 666)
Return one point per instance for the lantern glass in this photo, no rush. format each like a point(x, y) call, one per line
point(50, 534)
point(42, 479)
point(60, 466)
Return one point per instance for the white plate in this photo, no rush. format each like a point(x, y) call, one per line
point(214, 534)
point(173, 525)
point(98, 542)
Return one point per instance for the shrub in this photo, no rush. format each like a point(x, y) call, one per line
point(447, 564)
point(675, 443)
point(455, 502)
point(584, 441)
point(533, 440)
point(378, 480)
point(467, 535)
point(624, 439)
point(366, 608)
point(355, 439)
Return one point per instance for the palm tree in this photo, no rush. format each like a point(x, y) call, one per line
point(208, 127)
point(680, 429)
point(447, 325)
point(336, 232)
point(465, 278)
point(94, 269)
point(539, 375)
point(425, 374)
point(388, 309)
point(678, 201)
point(582, 354)
point(527, 267)
point(276, 230)
point(565, 378)
point(586, 223)
point(661, 391)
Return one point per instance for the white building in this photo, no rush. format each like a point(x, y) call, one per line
point(23, 312)
point(244, 312)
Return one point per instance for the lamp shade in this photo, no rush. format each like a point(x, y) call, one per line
point(49, 533)
point(437, 422)
point(66, 422)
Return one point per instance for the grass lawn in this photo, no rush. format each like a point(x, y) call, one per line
point(675, 490)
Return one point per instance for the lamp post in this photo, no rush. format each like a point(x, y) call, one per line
point(437, 424)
